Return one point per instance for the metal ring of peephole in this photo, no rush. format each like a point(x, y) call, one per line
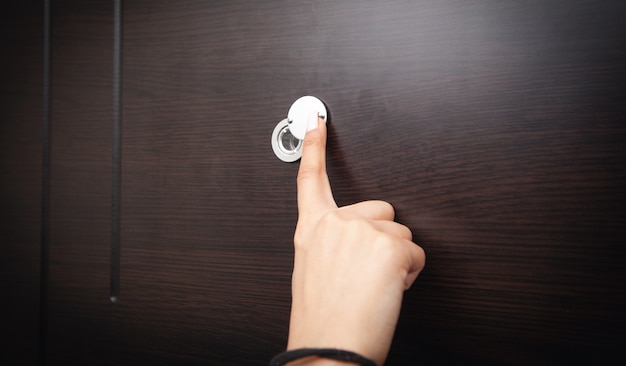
point(286, 146)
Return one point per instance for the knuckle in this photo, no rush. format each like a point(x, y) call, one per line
point(422, 256)
point(308, 172)
point(388, 210)
point(408, 234)
point(301, 233)
point(330, 218)
point(298, 242)
point(312, 140)
point(299, 238)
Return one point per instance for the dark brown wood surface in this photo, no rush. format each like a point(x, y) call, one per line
point(495, 129)
point(21, 69)
point(79, 310)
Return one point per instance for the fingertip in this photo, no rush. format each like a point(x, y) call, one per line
point(312, 122)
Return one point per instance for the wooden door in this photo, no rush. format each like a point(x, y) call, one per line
point(494, 128)
point(21, 150)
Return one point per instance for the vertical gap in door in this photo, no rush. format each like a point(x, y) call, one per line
point(117, 152)
point(45, 190)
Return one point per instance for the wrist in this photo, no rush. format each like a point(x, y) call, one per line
point(320, 357)
point(319, 361)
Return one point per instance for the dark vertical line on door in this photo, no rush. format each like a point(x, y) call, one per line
point(117, 152)
point(45, 191)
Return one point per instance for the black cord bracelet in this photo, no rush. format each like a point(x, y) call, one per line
point(334, 354)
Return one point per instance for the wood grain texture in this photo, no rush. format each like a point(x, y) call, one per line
point(21, 122)
point(495, 128)
point(81, 317)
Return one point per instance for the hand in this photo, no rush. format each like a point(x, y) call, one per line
point(351, 266)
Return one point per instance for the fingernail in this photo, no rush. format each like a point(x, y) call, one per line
point(311, 122)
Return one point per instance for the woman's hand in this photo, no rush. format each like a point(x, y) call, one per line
point(351, 266)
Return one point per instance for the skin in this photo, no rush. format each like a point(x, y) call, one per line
point(352, 265)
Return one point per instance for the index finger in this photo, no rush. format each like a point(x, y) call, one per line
point(314, 192)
